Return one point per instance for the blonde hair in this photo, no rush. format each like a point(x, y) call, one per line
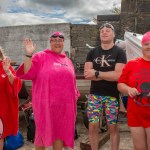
point(2, 55)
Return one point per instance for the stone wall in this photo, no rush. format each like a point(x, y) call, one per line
point(135, 16)
point(80, 36)
point(11, 38)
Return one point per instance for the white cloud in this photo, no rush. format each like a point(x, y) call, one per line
point(21, 3)
point(22, 12)
point(25, 19)
point(91, 22)
point(3, 5)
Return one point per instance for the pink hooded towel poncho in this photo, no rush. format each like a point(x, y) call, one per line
point(54, 97)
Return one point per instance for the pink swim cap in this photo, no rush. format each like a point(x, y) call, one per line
point(57, 34)
point(146, 37)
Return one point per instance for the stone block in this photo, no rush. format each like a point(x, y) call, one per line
point(144, 7)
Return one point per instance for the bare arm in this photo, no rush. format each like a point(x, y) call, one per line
point(89, 72)
point(27, 64)
point(6, 65)
point(10, 77)
point(29, 50)
point(125, 89)
point(112, 75)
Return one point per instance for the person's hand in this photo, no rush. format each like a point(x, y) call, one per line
point(29, 46)
point(132, 92)
point(6, 64)
point(90, 73)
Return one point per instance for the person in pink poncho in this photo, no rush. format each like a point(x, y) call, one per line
point(54, 93)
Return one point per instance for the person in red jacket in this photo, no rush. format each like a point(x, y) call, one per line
point(135, 82)
point(10, 86)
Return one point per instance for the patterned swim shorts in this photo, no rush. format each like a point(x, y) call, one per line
point(95, 107)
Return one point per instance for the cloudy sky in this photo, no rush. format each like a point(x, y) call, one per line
point(27, 12)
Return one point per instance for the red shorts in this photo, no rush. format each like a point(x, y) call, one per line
point(138, 116)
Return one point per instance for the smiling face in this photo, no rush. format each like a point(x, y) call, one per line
point(57, 44)
point(107, 35)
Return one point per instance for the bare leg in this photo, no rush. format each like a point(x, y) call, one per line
point(139, 138)
point(114, 137)
point(148, 137)
point(1, 144)
point(39, 148)
point(58, 145)
point(93, 135)
point(121, 108)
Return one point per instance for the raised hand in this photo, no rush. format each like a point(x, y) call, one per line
point(29, 46)
point(6, 64)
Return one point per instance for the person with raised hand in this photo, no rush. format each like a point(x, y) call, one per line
point(10, 86)
point(54, 93)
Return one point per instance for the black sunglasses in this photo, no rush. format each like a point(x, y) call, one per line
point(107, 25)
point(55, 36)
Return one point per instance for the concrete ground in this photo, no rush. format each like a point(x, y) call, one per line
point(125, 141)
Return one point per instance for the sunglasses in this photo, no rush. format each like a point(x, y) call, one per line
point(107, 25)
point(57, 41)
point(138, 99)
point(55, 36)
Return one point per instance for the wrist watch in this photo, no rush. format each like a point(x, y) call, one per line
point(96, 74)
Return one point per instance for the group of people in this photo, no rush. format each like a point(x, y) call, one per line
point(107, 68)
point(55, 94)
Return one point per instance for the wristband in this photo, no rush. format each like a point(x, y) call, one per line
point(28, 55)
